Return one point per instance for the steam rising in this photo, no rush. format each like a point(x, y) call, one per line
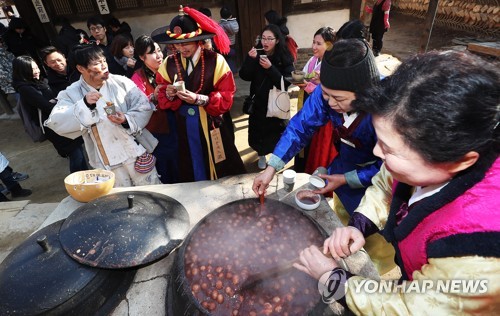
point(243, 238)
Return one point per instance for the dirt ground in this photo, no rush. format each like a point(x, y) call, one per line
point(403, 38)
point(47, 170)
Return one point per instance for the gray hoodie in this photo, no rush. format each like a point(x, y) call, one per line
point(231, 28)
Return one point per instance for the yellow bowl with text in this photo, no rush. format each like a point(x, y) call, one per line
point(87, 185)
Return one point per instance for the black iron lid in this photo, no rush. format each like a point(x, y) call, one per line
point(124, 230)
point(38, 277)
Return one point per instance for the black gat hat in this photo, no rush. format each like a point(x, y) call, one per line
point(191, 26)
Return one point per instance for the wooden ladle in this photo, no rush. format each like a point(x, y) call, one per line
point(275, 271)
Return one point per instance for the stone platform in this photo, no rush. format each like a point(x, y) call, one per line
point(147, 294)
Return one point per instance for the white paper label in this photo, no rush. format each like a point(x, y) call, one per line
point(40, 10)
point(103, 6)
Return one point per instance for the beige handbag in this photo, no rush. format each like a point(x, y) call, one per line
point(278, 104)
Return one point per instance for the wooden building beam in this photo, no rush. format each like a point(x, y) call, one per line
point(428, 25)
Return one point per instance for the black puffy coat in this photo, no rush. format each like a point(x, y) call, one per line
point(264, 132)
point(37, 95)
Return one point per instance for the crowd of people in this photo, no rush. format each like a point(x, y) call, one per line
point(412, 157)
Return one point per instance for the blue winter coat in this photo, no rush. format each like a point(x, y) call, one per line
point(358, 164)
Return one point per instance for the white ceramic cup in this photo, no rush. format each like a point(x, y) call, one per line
point(179, 86)
point(317, 182)
point(289, 179)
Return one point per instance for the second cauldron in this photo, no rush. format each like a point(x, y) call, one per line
point(39, 278)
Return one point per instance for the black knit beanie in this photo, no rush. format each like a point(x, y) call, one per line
point(351, 78)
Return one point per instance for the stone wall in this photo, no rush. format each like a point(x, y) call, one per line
point(303, 56)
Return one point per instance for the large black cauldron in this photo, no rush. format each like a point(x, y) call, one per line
point(239, 239)
point(39, 278)
point(43, 276)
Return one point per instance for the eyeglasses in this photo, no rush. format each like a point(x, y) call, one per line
point(268, 39)
point(96, 28)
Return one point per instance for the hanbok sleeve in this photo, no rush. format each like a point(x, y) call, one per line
point(377, 199)
point(431, 292)
point(300, 130)
point(220, 99)
point(139, 82)
point(138, 107)
point(70, 116)
point(361, 178)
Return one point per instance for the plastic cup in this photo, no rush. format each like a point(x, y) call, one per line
point(110, 110)
point(179, 86)
point(289, 180)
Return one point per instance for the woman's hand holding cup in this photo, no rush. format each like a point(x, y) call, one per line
point(170, 91)
point(265, 62)
point(315, 78)
point(131, 62)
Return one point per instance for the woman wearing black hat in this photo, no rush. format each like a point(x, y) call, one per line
point(208, 90)
point(348, 68)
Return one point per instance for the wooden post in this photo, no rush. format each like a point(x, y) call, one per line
point(429, 24)
point(251, 18)
point(356, 9)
